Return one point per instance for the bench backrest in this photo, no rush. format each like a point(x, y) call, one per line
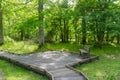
point(87, 48)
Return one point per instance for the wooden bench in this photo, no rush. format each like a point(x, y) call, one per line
point(85, 53)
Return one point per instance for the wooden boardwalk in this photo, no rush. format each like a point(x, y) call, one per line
point(51, 63)
point(1, 75)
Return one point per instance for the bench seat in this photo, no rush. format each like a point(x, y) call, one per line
point(85, 53)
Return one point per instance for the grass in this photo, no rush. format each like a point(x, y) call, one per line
point(61, 46)
point(107, 68)
point(26, 47)
point(18, 47)
point(23, 47)
point(106, 49)
point(13, 72)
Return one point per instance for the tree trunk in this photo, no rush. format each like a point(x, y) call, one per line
point(112, 39)
point(61, 30)
point(118, 39)
point(41, 32)
point(1, 27)
point(41, 29)
point(76, 36)
point(22, 34)
point(66, 33)
point(107, 36)
point(83, 31)
point(100, 40)
point(75, 21)
point(100, 34)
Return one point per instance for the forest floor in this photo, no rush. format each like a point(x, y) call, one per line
point(107, 68)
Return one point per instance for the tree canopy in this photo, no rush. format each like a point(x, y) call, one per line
point(79, 21)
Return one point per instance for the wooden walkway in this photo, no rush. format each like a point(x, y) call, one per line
point(1, 75)
point(51, 63)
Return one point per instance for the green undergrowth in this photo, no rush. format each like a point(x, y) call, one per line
point(106, 68)
point(70, 47)
point(18, 47)
point(23, 47)
point(26, 47)
point(13, 72)
point(106, 49)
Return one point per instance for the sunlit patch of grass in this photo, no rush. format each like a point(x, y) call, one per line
point(62, 47)
point(25, 47)
point(13, 72)
point(107, 68)
point(18, 47)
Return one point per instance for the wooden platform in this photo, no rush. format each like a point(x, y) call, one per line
point(50, 63)
point(1, 75)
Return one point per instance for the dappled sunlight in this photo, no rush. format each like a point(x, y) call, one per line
point(19, 47)
point(85, 69)
point(61, 47)
point(110, 56)
point(113, 44)
point(100, 74)
point(12, 77)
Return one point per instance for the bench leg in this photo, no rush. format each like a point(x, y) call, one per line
point(85, 55)
point(80, 53)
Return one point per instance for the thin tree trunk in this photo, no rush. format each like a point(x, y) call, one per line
point(22, 34)
point(66, 33)
point(100, 40)
point(118, 39)
point(100, 35)
point(1, 27)
point(75, 21)
point(61, 30)
point(83, 31)
point(107, 36)
point(41, 29)
point(112, 39)
point(64, 30)
point(76, 37)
